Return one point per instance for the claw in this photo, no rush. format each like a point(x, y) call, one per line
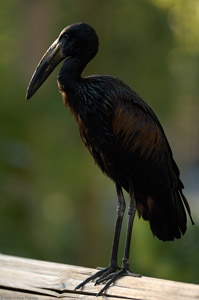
point(108, 272)
point(90, 278)
point(101, 274)
point(108, 275)
point(113, 277)
point(104, 279)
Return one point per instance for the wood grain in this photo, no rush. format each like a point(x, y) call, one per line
point(29, 279)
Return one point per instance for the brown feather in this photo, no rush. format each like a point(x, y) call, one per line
point(137, 131)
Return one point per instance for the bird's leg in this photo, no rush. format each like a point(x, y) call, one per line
point(120, 214)
point(113, 266)
point(125, 261)
point(131, 213)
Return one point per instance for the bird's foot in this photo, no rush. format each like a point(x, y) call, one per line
point(112, 277)
point(108, 275)
point(101, 274)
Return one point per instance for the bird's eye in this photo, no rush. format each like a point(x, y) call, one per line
point(64, 36)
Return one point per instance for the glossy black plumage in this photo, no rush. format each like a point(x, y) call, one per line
point(124, 137)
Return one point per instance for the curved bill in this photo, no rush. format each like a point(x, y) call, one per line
point(47, 64)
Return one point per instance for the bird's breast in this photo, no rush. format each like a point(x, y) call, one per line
point(63, 93)
point(65, 97)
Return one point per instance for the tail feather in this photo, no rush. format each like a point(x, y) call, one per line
point(184, 199)
point(167, 223)
point(166, 214)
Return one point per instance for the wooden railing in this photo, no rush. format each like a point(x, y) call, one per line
point(28, 279)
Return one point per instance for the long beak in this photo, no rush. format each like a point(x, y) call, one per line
point(47, 64)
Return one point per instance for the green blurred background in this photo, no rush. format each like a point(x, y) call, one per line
point(55, 203)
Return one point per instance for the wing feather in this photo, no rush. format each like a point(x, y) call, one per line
point(147, 160)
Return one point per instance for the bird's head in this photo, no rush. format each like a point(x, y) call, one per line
point(78, 40)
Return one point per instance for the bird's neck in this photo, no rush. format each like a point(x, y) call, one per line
point(70, 73)
point(70, 82)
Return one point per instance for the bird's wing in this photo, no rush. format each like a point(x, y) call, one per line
point(141, 139)
point(147, 162)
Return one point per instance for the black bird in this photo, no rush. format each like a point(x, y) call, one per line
point(125, 139)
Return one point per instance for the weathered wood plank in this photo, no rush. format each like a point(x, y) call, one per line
point(32, 279)
point(13, 295)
